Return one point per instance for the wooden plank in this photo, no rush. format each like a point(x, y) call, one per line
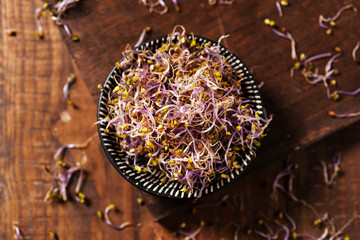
point(33, 73)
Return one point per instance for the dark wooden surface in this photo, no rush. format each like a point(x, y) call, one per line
point(33, 72)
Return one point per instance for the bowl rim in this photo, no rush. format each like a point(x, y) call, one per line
point(214, 186)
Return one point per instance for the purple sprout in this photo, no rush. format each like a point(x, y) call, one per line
point(289, 189)
point(176, 5)
point(314, 77)
point(336, 161)
point(58, 156)
point(106, 218)
point(290, 220)
point(342, 229)
point(330, 62)
point(284, 228)
point(281, 174)
point(53, 236)
point(343, 115)
point(310, 76)
point(354, 51)
point(315, 57)
point(69, 81)
point(303, 202)
point(154, 5)
point(278, 6)
point(143, 36)
point(338, 13)
point(40, 32)
point(63, 173)
point(266, 235)
point(56, 10)
point(321, 23)
point(263, 235)
point(61, 22)
point(306, 236)
point(353, 93)
point(330, 22)
point(191, 236)
point(58, 191)
point(62, 6)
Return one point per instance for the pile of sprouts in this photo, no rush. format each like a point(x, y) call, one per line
point(181, 108)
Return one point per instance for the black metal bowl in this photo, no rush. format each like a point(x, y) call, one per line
point(150, 182)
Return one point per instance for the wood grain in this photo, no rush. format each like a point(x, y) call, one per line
point(32, 74)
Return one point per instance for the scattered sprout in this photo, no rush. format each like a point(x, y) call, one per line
point(343, 115)
point(62, 173)
point(39, 32)
point(278, 6)
point(261, 84)
point(58, 191)
point(143, 36)
point(140, 201)
point(56, 9)
point(276, 185)
point(69, 81)
point(181, 110)
point(17, 232)
point(284, 34)
point(329, 23)
point(213, 2)
point(177, 8)
point(191, 236)
point(268, 234)
point(10, 32)
point(342, 229)
point(284, 227)
point(53, 236)
point(106, 218)
point(354, 51)
point(289, 189)
point(157, 6)
point(237, 230)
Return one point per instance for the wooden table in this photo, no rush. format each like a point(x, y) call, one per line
point(34, 71)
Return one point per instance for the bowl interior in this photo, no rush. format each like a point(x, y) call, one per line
point(150, 182)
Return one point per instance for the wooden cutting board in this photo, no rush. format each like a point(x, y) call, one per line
point(300, 110)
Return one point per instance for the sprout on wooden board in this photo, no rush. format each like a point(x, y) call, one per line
point(106, 218)
point(181, 109)
point(56, 9)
